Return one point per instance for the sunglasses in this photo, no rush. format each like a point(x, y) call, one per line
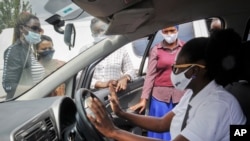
point(47, 48)
point(34, 28)
point(175, 68)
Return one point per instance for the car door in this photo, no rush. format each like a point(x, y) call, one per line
point(132, 94)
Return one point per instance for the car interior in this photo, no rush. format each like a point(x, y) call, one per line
point(35, 116)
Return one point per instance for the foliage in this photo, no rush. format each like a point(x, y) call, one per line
point(9, 11)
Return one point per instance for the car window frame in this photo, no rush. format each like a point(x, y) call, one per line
point(85, 78)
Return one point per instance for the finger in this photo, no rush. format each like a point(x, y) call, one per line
point(132, 108)
point(113, 101)
point(117, 88)
point(92, 119)
point(111, 87)
point(100, 106)
point(97, 110)
point(113, 92)
point(120, 88)
point(123, 87)
point(94, 122)
point(135, 107)
point(114, 82)
point(142, 109)
point(113, 96)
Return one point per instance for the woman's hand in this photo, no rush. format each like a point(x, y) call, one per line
point(101, 120)
point(114, 102)
point(140, 106)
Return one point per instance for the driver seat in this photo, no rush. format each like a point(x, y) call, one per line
point(241, 89)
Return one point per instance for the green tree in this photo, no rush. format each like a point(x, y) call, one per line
point(9, 11)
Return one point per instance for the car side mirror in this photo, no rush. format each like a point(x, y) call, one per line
point(69, 35)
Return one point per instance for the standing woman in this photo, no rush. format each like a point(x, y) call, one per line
point(158, 86)
point(44, 52)
point(21, 68)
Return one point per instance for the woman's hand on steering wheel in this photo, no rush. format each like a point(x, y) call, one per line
point(101, 120)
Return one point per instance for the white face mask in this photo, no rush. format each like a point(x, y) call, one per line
point(180, 81)
point(32, 37)
point(99, 38)
point(170, 38)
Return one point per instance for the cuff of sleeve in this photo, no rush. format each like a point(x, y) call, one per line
point(144, 96)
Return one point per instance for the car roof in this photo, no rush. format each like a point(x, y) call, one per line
point(141, 17)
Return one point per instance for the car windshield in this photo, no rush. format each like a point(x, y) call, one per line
point(34, 44)
point(24, 62)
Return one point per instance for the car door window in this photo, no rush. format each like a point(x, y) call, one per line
point(186, 32)
point(137, 49)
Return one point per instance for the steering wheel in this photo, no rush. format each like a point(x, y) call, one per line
point(83, 126)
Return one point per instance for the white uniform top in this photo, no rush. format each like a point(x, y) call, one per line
point(213, 111)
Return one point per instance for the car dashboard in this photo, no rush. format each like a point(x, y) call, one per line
point(41, 119)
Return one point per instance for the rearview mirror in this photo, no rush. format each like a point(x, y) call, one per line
point(69, 35)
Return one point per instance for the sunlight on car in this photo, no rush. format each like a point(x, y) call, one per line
point(18, 69)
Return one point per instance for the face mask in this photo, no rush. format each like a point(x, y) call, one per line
point(170, 38)
point(180, 81)
point(32, 37)
point(99, 38)
point(46, 55)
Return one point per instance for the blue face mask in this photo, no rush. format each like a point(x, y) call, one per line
point(46, 55)
point(32, 37)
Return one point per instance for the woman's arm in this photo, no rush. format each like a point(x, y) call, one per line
point(146, 122)
point(149, 122)
point(148, 83)
point(104, 124)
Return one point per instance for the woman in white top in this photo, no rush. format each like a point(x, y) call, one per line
point(206, 111)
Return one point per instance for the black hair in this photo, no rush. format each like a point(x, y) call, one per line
point(43, 38)
point(220, 52)
point(194, 49)
point(244, 71)
point(222, 56)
